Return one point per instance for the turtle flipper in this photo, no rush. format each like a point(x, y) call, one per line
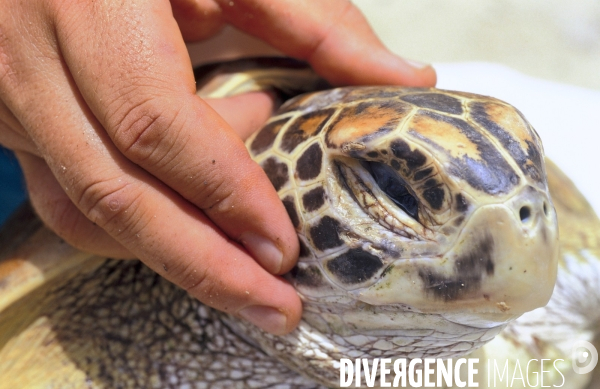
point(32, 261)
point(74, 320)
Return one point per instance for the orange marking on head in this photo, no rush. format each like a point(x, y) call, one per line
point(507, 118)
point(445, 135)
point(361, 120)
point(311, 125)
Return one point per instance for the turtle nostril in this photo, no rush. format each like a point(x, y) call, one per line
point(524, 213)
point(545, 209)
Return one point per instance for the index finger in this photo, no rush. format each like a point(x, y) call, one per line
point(333, 36)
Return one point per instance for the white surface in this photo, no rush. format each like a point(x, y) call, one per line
point(566, 117)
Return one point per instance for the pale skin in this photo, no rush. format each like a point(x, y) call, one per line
point(121, 158)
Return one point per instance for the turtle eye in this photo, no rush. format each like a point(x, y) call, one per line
point(390, 182)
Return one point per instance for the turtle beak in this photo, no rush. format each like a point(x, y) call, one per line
point(502, 265)
point(514, 247)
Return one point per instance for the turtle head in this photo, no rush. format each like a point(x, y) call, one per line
point(460, 179)
point(424, 218)
point(434, 203)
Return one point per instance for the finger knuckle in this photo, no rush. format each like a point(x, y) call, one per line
point(112, 204)
point(213, 193)
point(218, 192)
point(148, 132)
point(195, 281)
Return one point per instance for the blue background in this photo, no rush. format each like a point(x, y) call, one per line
point(12, 184)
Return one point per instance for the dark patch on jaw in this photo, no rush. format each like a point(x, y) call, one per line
point(309, 163)
point(303, 127)
point(421, 174)
point(479, 259)
point(395, 164)
point(354, 266)
point(413, 158)
point(469, 270)
point(277, 172)
point(265, 138)
point(313, 199)
point(491, 173)
point(435, 197)
point(373, 154)
point(436, 101)
point(384, 152)
point(462, 205)
point(310, 276)
point(290, 207)
point(326, 234)
point(530, 160)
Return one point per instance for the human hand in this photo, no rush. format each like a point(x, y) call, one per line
point(122, 158)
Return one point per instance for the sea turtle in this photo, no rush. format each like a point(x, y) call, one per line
point(428, 225)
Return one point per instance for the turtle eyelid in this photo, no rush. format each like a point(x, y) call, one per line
point(390, 182)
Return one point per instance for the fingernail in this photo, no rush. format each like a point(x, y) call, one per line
point(265, 251)
point(416, 64)
point(267, 318)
